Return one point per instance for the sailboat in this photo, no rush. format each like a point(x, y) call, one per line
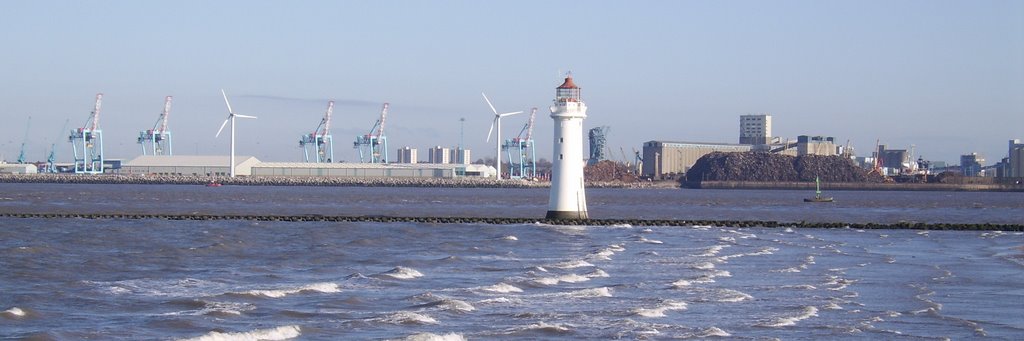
point(817, 193)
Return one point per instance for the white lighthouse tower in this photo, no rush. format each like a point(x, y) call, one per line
point(567, 199)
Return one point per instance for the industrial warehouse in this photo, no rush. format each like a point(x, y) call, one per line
point(206, 165)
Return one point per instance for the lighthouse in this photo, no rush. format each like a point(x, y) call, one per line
point(567, 199)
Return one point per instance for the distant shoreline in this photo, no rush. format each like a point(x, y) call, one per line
point(856, 186)
point(484, 183)
point(307, 181)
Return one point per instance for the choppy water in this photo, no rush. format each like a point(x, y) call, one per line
point(154, 279)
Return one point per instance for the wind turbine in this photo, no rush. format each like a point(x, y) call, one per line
point(231, 117)
point(497, 137)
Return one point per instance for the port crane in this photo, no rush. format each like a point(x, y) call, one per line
point(50, 159)
point(158, 138)
point(21, 155)
point(88, 142)
point(523, 164)
point(320, 143)
point(374, 145)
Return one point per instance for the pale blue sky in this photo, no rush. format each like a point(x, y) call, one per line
point(946, 76)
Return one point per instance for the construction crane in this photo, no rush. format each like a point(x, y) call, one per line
point(21, 155)
point(524, 164)
point(88, 142)
point(320, 143)
point(638, 163)
point(158, 138)
point(375, 144)
point(50, 159)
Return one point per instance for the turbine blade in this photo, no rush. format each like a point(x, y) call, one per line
point(492, 129)
point(245, 116)
point(510, 113)
point(489, 103)
point(222, 126)
point(226, 101)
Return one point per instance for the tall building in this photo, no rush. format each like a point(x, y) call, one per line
point(1016, 165)
point(459, 156)
point(407, 155)
point(970, 164)
point(439, 155)
point(567, 199)
point(755, 129)
point(815, 145)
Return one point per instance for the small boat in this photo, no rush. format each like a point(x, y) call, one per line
point(817, 193)
point(213, 184)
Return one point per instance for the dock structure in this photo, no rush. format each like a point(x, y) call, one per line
point(87, 142)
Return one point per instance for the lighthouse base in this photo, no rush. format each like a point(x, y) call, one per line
point(566, 215)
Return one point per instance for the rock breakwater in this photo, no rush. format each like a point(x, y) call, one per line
point(519, 221)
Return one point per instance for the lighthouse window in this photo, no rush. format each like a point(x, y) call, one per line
point(561, 139)
point(559, 156)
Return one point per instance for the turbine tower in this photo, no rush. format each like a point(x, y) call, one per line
point(158, 138)
point(320, 141)
point(87, 142)
point(567, 199)
point(231, 117)
point(497, 138)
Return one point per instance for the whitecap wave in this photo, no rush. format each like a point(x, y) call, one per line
point(805, 313)
point(597, 273)
point(800, 286)
point(570, 278)
point(583, 293)
point(279, 333)
point(451, 304)
point(551, 328)
point(792, 269)
point(833, 306)
point(713, 332)
point(435, 337)
point(712, 251)
point(14, 312)
point(401, 272)
point(572, 264)
point(325, 287)
point(682, 283)
point(406, 318)
point(703, 266)
point(216, 309)
point(188, 287)
point(502, 288)
point(500, 300)
point(511, 238)
point(731, 296)
point(650, 241)
point(660, 310)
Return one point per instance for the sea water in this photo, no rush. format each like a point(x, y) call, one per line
point(75, 279)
